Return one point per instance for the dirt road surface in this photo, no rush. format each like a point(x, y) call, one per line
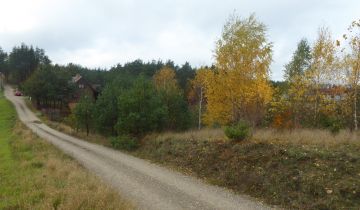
point(147, 185)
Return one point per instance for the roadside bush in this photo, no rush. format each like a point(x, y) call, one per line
point(238, 132)
point(71, 121)
point(124, 142)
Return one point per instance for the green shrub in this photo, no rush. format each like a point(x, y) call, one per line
point(124, 142)
point(70, 120)
point(238, 132)
point(335, 127)
point(333, 124)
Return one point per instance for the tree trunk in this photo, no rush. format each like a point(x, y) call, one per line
point(355, 109)
point(357, 72)
point(87, 129)
point(200, 106)
point(315, 114)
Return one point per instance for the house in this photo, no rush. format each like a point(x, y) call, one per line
point(82, 88)
point(335, 92)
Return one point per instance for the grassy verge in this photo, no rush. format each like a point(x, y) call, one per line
point(62, 127)
point(35, 175)
point(92, 137)
point(288, 173)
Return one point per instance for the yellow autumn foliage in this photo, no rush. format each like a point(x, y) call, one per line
point(239, 87)
point(319, 75)
point(352, 70)
point(165, 79)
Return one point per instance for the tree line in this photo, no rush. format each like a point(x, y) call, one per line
point(320, 87)
point(131, 99)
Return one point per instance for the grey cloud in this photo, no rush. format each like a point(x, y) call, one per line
point(103, 33)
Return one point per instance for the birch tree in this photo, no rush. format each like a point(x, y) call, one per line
point(352, 66)
point(239, 88)
point(323, 57)
point(198, 84)
point(294, 75)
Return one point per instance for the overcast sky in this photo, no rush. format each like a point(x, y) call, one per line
point(102, 33)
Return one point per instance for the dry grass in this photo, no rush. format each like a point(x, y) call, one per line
point(62, 127)
point(208, 134)
point(298, 169)
point(296, 136)
point(92, 137)
point(48, 179)
point(307, 136)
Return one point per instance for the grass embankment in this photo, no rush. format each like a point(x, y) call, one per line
point(35, 175)
point(296, 170)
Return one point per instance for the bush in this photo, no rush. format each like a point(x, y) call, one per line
point(333, 124)
point(238, 132)
point(70, 120)
point(335, 127)
point(124, 142)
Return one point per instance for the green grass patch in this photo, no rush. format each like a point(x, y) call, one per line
point(8, 166)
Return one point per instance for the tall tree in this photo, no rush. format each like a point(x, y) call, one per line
point(352, 67)
point(48, 86)
point(198, 87)
point(106, 113)
point(173, 97)
point(23, 61)
point(3, 62)
point(240, 88)
point(184, 75)
point(84, 113)
point(140, 109)
point(297, 100)
point(322, 67)
point(294, 75)
point(300, 61)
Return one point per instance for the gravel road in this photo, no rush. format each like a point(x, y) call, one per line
point(149, 186)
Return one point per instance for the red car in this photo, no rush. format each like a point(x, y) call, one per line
point(18, 93)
